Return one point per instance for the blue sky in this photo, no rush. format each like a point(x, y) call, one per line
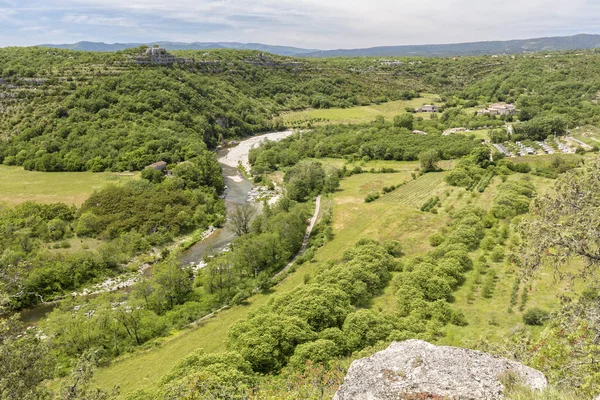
point(324, 24)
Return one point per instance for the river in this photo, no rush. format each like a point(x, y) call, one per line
point(238, 187)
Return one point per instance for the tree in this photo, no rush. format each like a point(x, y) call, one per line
point(77, 386)
point(565, 223)
point(481, 156)
point(24, 362)
point(332, 182)
point(173, 284)
point(240, 219)
point(404, 120)
point(322, 306)
point(267, 340)
point(304, 179)
point(365, 327)
point(153, 175)
point(321, 351)
point(209, 376)
point(88, 224)
point(429, 160)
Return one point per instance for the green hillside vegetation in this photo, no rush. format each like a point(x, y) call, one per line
point(397, 219)
point(419, 236)
point(130, 219)
point(72, 111)
point(96, 112)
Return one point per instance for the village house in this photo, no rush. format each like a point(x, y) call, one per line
point(159, 166)
point(428, 108)
point(418, 132)
point(498, 109)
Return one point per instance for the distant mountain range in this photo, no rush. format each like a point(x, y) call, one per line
point(101, 46)
point(470, 49)
point(429, 50)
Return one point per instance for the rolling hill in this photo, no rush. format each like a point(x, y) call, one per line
point(110, 47)
point(469, 49)
point(583, 41)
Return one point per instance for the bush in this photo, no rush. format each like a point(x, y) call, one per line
point(436, 239)
point(393, 247)
point(488, 285)
point(535, 316)
point(372, 197)
point(497, 254)
point(429, 204)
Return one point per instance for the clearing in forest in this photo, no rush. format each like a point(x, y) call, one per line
point(18, 185)
point(356, 115)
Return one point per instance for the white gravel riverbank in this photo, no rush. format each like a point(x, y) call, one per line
point(239, 153)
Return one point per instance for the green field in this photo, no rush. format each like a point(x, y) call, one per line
point(479, 134)
point(487, 317)
point(18, 185)
point(356, 115)
point(588, 134)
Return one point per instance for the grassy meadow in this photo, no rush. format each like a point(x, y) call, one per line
point(355, 115)
point(588, 134)
point(18, 185)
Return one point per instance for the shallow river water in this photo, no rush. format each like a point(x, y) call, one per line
point(238, 187)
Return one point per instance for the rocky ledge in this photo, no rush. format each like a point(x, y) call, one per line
point(415, 369)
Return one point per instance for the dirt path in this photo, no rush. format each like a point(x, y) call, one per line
point(313, 221)
point(311, 225)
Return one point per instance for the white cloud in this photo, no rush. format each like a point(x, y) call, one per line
point(317, 23)
point(97, 20)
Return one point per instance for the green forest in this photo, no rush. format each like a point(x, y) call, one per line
point(381, 230)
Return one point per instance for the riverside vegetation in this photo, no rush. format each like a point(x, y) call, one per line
point(473, 231)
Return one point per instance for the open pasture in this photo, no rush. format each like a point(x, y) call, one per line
point(355, 115)
point(18, 185)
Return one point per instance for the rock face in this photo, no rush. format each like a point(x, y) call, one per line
point(415, 369)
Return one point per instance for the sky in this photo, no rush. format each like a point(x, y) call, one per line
point(317, 24)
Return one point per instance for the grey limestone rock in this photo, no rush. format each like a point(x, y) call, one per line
point(415, 369)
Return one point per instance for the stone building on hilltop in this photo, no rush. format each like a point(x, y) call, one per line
point(160, 56)
point(499, 109)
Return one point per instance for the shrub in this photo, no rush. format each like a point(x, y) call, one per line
point(372, 197)
point(488, 286)
point(393, 247)
point(429, 204)
point(436, 239)
point(535, 316)
point(497, 254)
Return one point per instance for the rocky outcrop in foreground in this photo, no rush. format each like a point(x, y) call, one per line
point(415, 369)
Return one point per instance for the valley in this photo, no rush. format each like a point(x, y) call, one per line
point(381, 208)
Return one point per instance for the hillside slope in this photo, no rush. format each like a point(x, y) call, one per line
point(109, 47)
